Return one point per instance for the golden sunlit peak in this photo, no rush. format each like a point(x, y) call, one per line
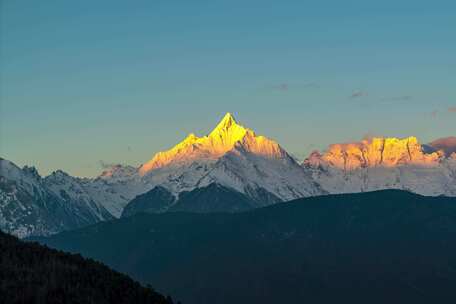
point(378, 151)
point(221, 140)
point(191, 138)
point(226, 122)
point(226, 133)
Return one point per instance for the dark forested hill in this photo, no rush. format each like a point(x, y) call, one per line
point(31, 273)
point(209, 199)
point(379, 247)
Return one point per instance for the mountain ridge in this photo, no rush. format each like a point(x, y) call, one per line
point(384, 163)
point(208, 199)
point(377, 151)
point(235, 157)
point(223, 138)
point(29, 206)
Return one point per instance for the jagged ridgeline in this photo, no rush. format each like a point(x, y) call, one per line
point(31, 273)
point(247, 165)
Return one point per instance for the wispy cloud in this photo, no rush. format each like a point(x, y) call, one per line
point(284, 87)
point(359, 94)
point(280, 87)
point(369, 135)
point(436, 113)
point(402, 98)
point(309, 85)
point(106, 165)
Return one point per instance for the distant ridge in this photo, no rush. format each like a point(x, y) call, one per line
point(388, 246)
point(384, 163)
point(231, 156)
point(377, 151)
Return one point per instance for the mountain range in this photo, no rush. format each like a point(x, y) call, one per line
point(385, 163)
point(231, 161)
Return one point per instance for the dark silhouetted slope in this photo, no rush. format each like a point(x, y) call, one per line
point(379, 247)
point(209, 199)
point(157, 200)
point(31, 273)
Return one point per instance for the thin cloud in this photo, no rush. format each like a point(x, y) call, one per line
point(280, 87)
point(309, 85)
point(106, 165)
point(403, 98)
point(370, 135)
point(284, 87)
point(358, 94)
point(452, 109)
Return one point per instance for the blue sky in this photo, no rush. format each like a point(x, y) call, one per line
point(86, 82)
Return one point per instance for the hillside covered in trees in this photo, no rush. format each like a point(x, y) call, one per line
point(378, 247)
point(31, 273)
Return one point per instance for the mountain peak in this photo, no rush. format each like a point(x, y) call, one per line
point(228, 127)
point(226, 122)
point(223, 138)
point(377, 151)
point(226, 134)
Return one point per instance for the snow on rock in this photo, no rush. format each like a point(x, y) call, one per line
point(233, 156)
point(383, 163)
point(31, 205)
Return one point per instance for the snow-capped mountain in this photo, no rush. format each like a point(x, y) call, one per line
point(35, 205)
point(115, 187)
point(384, 163)
point(112, 190)
point(31, 205)
point(232, 156)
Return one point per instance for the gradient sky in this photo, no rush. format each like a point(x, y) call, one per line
point(86, 83)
